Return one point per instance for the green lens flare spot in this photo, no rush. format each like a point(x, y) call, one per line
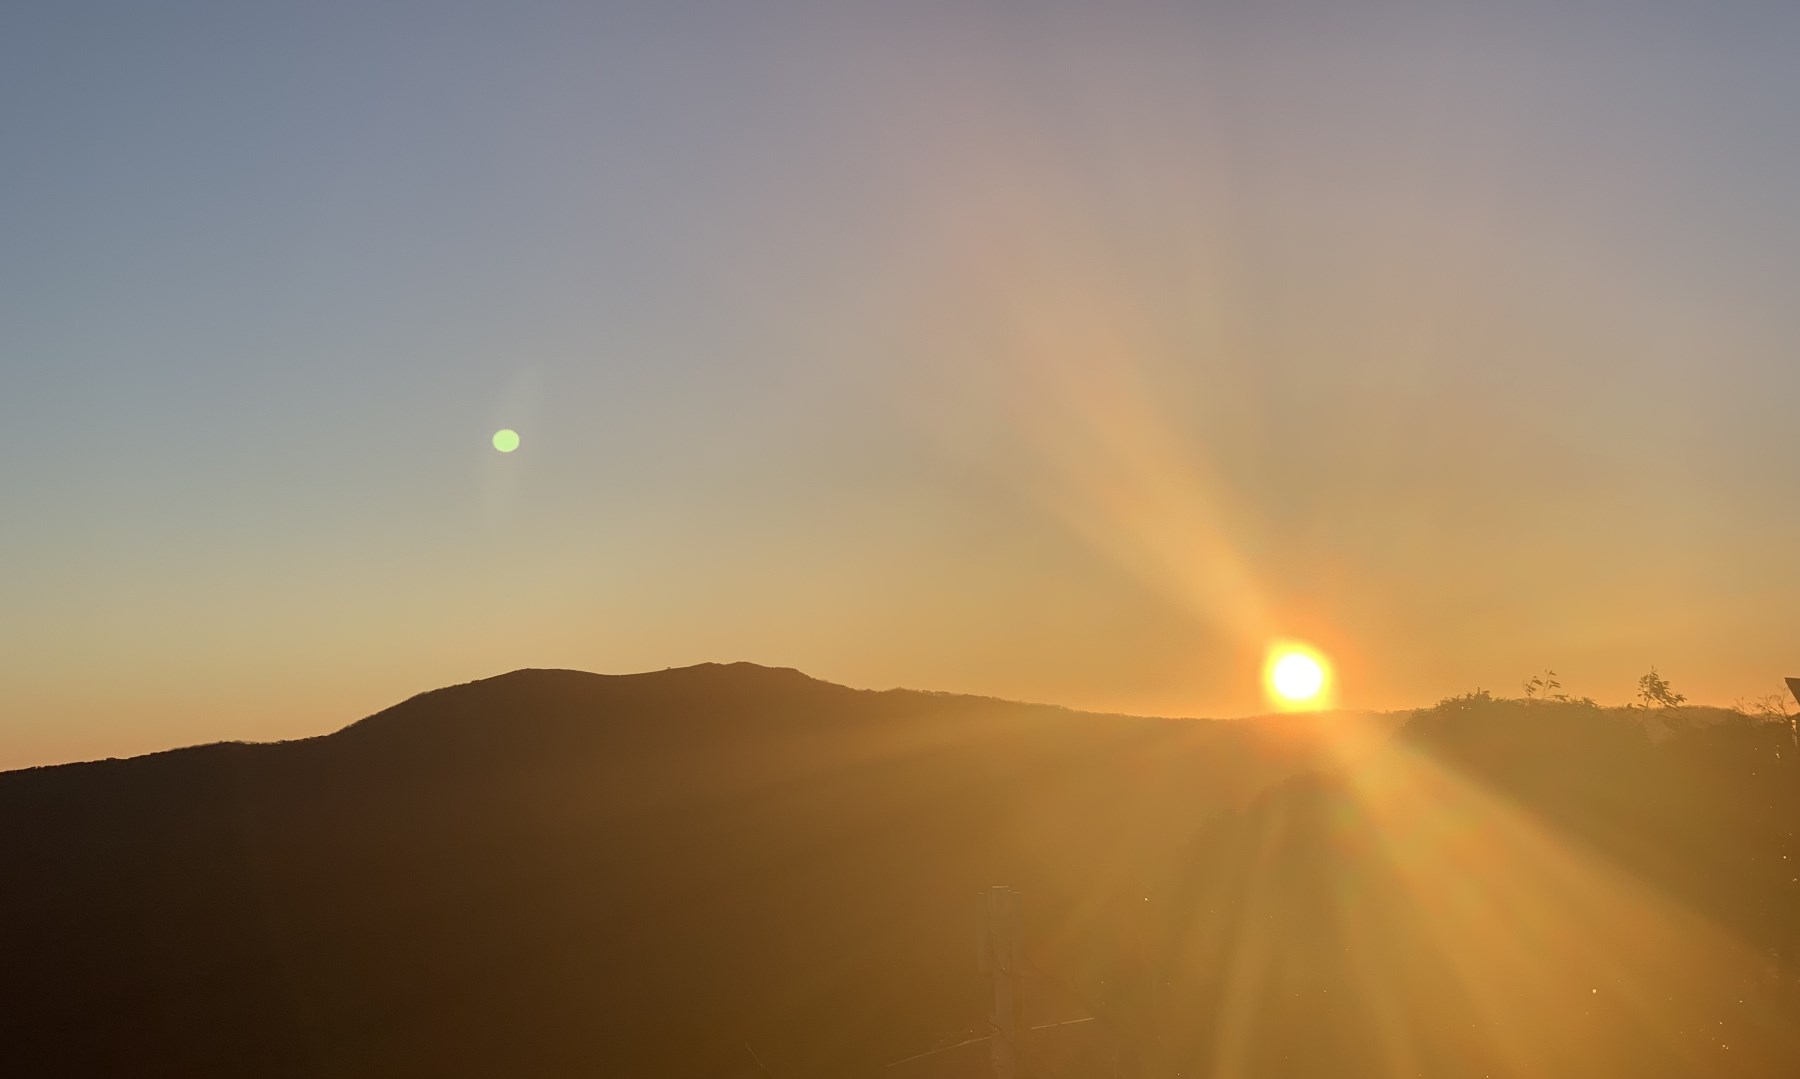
point(506, 440)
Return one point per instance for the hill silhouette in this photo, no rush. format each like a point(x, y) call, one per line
point(557, 873)
point(735, 871)
point(1507, 887)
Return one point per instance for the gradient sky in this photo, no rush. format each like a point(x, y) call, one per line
point(1068, 352)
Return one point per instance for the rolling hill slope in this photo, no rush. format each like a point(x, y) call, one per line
point(554, 873)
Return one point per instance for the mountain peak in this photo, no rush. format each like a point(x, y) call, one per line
point(560, 695)
point(740, 670)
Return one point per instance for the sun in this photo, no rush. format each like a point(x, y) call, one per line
point(1297, 677)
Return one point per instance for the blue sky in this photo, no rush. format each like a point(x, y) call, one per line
point(1065, 351)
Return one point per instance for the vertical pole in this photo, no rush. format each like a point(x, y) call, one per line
point(999, 955)
point(1793, 685)
point(1788, 962)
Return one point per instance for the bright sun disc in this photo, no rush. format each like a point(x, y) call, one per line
point(506, 440)
point(1296, 676)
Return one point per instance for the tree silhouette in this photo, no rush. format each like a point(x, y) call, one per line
point(1654, 692)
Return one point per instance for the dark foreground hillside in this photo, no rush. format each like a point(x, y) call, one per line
point(684, 873)
point(553, 873)
point(1505, 888)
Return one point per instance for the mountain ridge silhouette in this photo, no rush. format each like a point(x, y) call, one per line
point(557, 873)
point(508, 874)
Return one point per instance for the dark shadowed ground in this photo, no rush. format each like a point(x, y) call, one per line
point(553, 874)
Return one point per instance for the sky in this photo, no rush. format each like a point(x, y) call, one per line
point(1053, 351)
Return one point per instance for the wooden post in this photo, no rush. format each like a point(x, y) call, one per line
point(1793, 685)
point(1788, 959)
point(999, 955)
